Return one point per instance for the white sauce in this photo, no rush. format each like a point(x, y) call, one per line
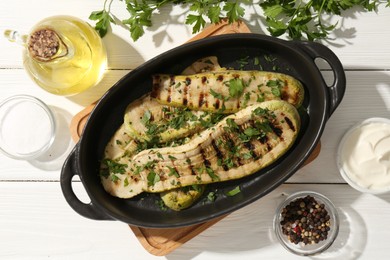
point(365, 156)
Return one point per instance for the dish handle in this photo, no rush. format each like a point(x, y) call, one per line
point(337, 89)
point(88, 210)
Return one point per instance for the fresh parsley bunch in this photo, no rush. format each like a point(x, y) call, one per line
point(298, 19)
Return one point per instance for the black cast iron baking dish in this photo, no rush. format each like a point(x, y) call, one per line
point(290, 57)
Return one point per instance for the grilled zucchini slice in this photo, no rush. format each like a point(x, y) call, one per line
point(229, 90)
point(134, 132)
point(146, 119)
point(239, 145)
point(182, 198)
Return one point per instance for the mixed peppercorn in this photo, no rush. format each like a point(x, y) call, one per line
point(305, 220)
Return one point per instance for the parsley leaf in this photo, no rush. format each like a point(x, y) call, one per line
point(218, 95)
point(103, 19)
point(298, 19)
point(236, 87)
point(112, 167)
point(197, 21)
point(153, 178)
point(250, 132)
point(234, 11)
point(214, 14)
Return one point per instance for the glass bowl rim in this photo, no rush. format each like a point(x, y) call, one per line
point(343, 172)
point(325, 244)
point(48, 112)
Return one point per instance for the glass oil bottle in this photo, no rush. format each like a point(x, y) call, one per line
point(63, 54)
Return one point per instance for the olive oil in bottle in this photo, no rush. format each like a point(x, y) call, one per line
point(64, 55)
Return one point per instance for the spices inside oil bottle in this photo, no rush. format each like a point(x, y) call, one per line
point(64, 55)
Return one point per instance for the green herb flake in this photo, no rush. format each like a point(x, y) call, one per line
point(232, 124)
point(243, 62)
point(234, 191)
point(126, 182)
point(159, 155)
point(251, 132)
point(211, 196)
point(146, 117)
point(173, 158)
point(247, 156)
point(114, 178)
point(247, 97)
point(218, 95)
point(173, 171)
point(114, 167)
point(161, 205)
point(256, 61)
point(212, 174)
point(153, 178)
point(236, 87)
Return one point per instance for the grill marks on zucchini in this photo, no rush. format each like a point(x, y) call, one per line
point(235, 151)
point(239, 145)
point(230, 89)
point(147, 120)
point(133, 136)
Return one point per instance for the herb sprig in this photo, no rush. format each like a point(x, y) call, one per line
point(304, 19)
point(297, 19)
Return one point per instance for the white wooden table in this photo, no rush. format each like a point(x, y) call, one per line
point(37, 223)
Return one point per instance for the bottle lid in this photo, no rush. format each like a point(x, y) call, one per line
point(27, 127)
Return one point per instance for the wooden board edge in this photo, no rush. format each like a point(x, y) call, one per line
point(147, 237)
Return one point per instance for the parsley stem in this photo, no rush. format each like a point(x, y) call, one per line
point(109, 5)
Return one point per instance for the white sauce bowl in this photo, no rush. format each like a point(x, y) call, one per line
point(363, 156)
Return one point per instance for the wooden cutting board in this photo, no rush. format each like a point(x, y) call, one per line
point(161, 242)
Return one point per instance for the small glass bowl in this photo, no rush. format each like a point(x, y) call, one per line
point(27, 127)
point(301, 248)
point(360, 183)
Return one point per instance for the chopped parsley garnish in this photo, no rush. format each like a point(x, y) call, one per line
point(250, 132)
point(234, 191)
point(212, 174)
point(276, 86)
point(218, 95)
point(153, 178)
point(269, 58)
point(146, 117)
point(243, 61)
point(172, 171)
point(112, 167)
point(114, 178)
point(161, 204)
point(211, 196)
point(232, 124)
point(126, 182)
point(236, 87)
point(172, 157)
point(159, 155)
